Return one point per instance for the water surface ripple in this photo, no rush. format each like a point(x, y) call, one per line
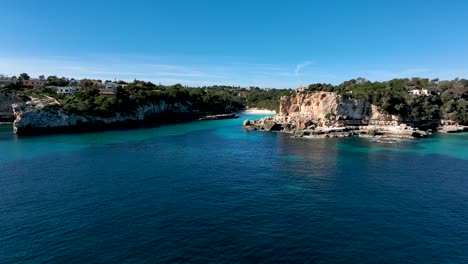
point(210, 192)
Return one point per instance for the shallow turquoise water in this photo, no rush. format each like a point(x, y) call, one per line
point(211, 192)
point(17, 148)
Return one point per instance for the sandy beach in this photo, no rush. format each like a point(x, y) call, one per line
point(258, 111)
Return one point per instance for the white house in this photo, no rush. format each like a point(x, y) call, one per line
point(420, 92)
point(65, 90)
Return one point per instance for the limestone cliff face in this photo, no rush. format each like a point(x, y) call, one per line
point(327, 113)
point(318, 105)
point(330, 109)
point(39, 115)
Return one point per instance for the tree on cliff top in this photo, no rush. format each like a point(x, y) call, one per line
point(55, 81)
point(24, 76)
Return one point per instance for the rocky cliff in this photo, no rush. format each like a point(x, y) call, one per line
point(326, 114)
point(6, 100)
point(40, 115)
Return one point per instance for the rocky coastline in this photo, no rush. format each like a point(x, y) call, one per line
point(40, 116)
point(329, 115)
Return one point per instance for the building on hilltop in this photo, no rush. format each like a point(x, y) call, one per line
point(65, 90)
point(110, 85)
point(108, 89)
point(33, 83)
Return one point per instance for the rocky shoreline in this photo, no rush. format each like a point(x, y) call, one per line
point(398, 131)
point(328, 115)
point(38, 116)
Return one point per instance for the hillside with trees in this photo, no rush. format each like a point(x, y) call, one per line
point(127, 97)
point(444, 99)
point(262, 99)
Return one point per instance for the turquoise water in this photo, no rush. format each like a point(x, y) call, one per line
point(210, 192)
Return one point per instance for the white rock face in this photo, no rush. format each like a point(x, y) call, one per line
point(318, 105)
point(327, 109)
point(40, 114)
point(327, 114)
point(449, 126)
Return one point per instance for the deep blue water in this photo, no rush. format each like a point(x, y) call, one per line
point(210, 192)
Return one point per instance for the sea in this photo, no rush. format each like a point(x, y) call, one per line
point(212, 192)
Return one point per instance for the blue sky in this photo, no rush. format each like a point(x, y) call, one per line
point(281, 44)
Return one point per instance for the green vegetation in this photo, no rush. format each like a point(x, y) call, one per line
point(12, 87)
point(204, 100)
point(129, 96)
point(44, 91)
point(55, 81)
point(329, 115)
point(262, 99)
point(24, 76)
point(446, 99)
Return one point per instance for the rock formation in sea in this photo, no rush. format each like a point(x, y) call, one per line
point(327, 114)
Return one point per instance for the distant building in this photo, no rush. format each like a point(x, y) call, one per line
point(108, 89)
point(33, 83)
point(110, 86)
point(65, 90)
point(419, 92)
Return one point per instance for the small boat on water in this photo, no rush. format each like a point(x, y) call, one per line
point(219, 117)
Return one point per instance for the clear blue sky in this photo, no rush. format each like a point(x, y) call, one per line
point(266, 43)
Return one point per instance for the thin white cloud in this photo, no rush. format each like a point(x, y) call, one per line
point(301, 66)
